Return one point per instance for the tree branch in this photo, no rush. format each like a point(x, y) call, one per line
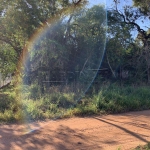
point(126, 20)
point(76, 2)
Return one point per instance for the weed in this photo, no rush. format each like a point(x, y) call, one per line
point(145, 147)
point(110, 99)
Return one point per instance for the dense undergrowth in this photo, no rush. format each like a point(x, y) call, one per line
point(110, 99)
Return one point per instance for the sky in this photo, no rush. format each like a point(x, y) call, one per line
point(109, 4)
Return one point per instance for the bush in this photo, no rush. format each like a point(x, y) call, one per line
point(35, 92)
point(33, 106)
point(116, 99)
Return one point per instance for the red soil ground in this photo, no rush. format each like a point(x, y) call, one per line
point(125, 131)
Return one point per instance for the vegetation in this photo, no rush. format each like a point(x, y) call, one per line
point(53, 77)
point(140, 147)
point(145, 147)
point(110, 99)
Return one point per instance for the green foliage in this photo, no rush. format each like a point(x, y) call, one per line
point(8, 59)
point(144, 6)
point(34, 91)
point(117, 99)
point(81, 110)
point(145, 147)
point(18, 22)
point(110, 99)
point(10, 109)
point(7, 100)
point(123, 50)
point(48, 106)
point(61, 48)
point(20, 19)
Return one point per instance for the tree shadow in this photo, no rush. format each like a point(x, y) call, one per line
point(61, 138)
point(122, 128)
point(136, 124)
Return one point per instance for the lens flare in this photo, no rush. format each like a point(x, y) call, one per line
point(62, 59)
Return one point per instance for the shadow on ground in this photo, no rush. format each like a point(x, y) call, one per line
point(89, 133)
point(63, 138)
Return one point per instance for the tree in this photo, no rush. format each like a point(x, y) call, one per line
point(70, 48)
point(144, 6)
point(8, 59)
point(19, 19)
point(130, 16)
point(118, 41)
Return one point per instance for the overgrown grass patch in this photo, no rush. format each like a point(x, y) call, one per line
point(48, 106)
point(111, 99)
point(10, 109)
point(117, 99)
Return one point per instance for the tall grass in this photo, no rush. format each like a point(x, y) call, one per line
point(116, 99)
point(110, 99)
point(10, 109)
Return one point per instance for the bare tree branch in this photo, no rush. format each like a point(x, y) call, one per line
point(126, 20)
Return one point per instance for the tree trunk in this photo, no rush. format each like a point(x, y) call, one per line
point(147, 58)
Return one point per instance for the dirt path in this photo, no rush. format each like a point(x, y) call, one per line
point(110, 132)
